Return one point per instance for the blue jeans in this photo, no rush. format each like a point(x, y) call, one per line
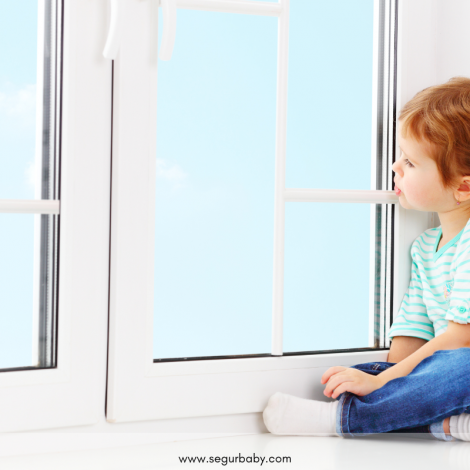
point(438, 387)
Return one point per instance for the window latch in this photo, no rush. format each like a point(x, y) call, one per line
point(115, 29)
point(169, 29)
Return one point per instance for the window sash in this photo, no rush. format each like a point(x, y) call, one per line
point(71, 393)
point(132, 371)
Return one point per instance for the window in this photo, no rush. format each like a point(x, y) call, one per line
point(54, 157)
point(218, 164)
point(89, 252)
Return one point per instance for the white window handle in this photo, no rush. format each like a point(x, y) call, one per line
point(169, 29)
point(115, 29)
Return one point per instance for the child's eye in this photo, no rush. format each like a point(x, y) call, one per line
point(407, 162)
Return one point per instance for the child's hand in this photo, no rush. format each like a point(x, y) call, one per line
point(346, 379)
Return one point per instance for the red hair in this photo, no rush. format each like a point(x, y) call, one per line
point(440, 116)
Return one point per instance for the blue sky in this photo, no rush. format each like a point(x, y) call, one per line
point(18, 43)
point(215, 186)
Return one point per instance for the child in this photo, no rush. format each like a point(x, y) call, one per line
point(427, 389)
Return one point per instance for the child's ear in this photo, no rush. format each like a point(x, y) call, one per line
point(463, 190)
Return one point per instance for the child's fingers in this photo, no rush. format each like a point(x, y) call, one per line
point(335, 382)
point(331, 371)
point(344, 387)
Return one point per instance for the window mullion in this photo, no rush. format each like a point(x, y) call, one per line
point(29, 206)
point(280, 179)
point(340, 195)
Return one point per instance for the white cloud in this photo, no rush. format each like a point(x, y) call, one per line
point(174, 174)
point(19, 102)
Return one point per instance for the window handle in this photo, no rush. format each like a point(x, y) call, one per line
point(169, 29)
point(115, 29)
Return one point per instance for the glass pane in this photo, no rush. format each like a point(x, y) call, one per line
point(26, 101)
point(27, 290)
point(329, 116)
point(30, 34)
point(16, 290)
point(215, 187)
point(327, 276)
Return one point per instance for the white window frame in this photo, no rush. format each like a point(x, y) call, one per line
point(138, 388)
point(70, 394)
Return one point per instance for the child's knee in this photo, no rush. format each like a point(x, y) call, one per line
point(459, 354)
point(455, 364)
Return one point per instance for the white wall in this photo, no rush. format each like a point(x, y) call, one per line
point(433, 46)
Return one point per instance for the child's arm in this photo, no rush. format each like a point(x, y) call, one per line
point(340, 379)
point(456, 336)
point(404, 346)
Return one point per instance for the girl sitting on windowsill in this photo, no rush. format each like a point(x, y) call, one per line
point(426, 387)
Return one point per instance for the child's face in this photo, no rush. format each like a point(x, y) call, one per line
point(417, 176)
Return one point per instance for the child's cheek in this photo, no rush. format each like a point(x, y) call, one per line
point(413, 197)
point(419, 199)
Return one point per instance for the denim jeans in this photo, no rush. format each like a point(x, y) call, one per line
point(438, 387)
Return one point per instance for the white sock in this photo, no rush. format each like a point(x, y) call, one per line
point(286, 414)
point(460, 426)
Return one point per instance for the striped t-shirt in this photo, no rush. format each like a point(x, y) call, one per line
point(439, 288)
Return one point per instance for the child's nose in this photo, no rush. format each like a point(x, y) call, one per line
point(396, 167)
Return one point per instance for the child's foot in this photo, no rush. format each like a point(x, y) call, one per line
point(286, 414)
point(460, 426)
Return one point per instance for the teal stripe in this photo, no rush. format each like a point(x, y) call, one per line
point(394, 331)
point(435, 267)
point(429, 290)
point(418, 297)
point(462, 263)
point(460, 317)
point(415, 323)
point(430, 252)
point(413, 304)
point(417, 274)
point(415, 287)
point(411, 328)
point(431, 244)
point(436, 229)
point(412, 313)
point(437, 301)
point(430, 269)
point(426, 243)
point(408, 295)
point(463, 252)
point(433, 297)
point(440, 284)
point(437, 276)
point(462, 242)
